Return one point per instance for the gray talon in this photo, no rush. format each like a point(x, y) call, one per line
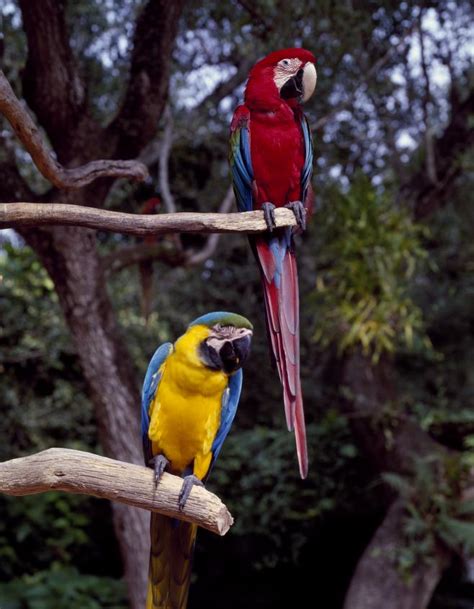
point(299, 211)
point(188, 483)
point(159, 463)
point(269, 215)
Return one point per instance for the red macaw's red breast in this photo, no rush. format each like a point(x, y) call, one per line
point(276, 137)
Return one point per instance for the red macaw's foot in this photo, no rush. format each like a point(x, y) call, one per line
point(188, 483)
point(159, 463)
point(300, 212)
point(269, 215)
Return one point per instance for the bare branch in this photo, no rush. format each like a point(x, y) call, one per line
point(458, 137)
point(430, 160)
point(210, 246)
point(147, 89)
point(13, 215)
point(226, 87)
point(165, 151)
point(165, 251)
point(79, 472)
point(366, 78)
point(30, 136)
point(257, 16)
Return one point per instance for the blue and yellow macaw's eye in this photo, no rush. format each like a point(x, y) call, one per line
point(226, 348)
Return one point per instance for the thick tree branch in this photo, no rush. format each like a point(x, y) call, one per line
point(144, 100)
point(31, 138)
point(51, 82)
point(13, 215)
point(79, 472)
point(166, 251)
point(458, 137)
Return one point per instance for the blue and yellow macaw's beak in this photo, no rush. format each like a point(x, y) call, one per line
point(226, 348)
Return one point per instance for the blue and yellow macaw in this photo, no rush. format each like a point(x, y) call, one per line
point(189, 400)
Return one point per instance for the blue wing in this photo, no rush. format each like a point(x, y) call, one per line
point(230, 401)
point(308, 161)
point(150, 384)
point(240, 159)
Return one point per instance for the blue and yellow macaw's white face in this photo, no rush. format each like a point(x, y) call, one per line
point(222, 340)
point(226, 348)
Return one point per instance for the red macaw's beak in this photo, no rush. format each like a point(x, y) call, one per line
point(302, 85)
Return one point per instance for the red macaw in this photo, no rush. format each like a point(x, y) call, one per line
point(271, 157)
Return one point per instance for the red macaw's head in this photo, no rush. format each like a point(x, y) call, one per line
point(289, 75)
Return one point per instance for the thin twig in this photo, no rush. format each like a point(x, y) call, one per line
point(31, 138)
point(163, 159)
point(426, 104)
point(212, 241)
point(14, 215)
point(79, 472)
point(366, 78)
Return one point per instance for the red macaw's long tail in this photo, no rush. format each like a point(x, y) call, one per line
point(277, 260)
point(172, 545)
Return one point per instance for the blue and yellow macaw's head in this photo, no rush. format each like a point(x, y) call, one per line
point(225, 340)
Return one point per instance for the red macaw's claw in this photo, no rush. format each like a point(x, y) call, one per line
point(271, 157)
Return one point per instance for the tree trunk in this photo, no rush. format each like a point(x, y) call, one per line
point(377, 583)
point(390, 442)
point(55, 91)
point(69, 254)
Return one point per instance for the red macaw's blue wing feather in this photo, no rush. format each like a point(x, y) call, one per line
point(308, 160)
point(240, 160)
point(150, 385)
point(280, 288)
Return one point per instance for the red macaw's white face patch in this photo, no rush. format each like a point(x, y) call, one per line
point(288, 68)
point(284, 70)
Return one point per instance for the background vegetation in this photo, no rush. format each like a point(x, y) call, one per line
point(387, 289)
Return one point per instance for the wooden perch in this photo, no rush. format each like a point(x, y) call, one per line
point(79, 472)
point(38, 214)
point(61, 177)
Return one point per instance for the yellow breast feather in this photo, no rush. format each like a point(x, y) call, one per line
point(186, 412)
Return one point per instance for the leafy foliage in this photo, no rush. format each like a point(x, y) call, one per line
point(369, 252)
point(434, 512)
point(63, 588)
